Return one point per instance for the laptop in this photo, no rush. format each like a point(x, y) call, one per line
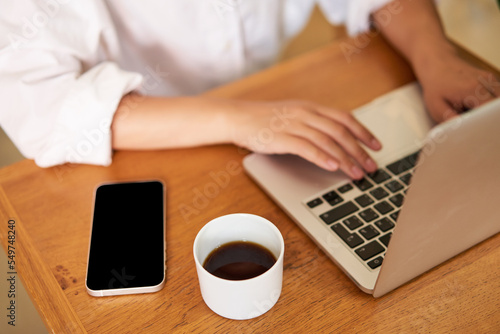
point(434, 196)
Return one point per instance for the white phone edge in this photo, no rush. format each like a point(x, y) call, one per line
point(136, 290)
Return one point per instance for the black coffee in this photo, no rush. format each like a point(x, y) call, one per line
point(239, 260)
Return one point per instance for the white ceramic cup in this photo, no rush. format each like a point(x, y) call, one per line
point(240, 299)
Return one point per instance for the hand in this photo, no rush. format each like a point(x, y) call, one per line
point(450, 84)
point(326, 137)
point(454, 86)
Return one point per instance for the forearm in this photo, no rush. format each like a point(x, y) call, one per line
point(145, 122)
point(416, 31)
point(450, 85)
point(327, 137)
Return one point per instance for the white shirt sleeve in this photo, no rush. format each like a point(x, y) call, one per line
point(57, 104)
point(62, 62)
point(354, 14)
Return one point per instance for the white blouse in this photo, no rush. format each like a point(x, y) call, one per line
point(66, 64)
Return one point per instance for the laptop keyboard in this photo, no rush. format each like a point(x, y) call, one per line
point(363, 212)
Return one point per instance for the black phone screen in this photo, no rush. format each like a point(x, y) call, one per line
point(127, 238)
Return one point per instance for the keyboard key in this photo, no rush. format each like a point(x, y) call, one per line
point(375, 263)
point(368, 215)
point(385, 239)
point(314, 203)
point(333, 198)
point(339, 212)
point(383, 207)
point(369, 250)
point(384, 224)
point(362, 184)
point(406, 178)
point(379, 193)
point(398, 167)
point(353, 223)
point(369, 232)
point(364, 200)
point(397, 200)
point(345, 188)
point(379, 176)
point(413, 158)
point(402, 165)
point(394, 186)
point(351, 239)
point(395, 215)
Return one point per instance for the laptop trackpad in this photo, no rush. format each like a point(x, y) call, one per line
point(399, 120)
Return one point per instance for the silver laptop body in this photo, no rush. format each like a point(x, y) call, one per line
point(449, 206)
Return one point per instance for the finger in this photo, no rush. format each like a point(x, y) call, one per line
point(337, 140)
point(327, 144)
point(485, 89)
point(309, 151)
point(305, 149)
point(442, 110)
point(353, 125)
point(491, 84)
point(348, 143)
point(492, 91)
point(487, 100)
point(474, 98)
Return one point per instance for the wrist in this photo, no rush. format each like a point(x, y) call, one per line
point(227, 119)
point(429, 58)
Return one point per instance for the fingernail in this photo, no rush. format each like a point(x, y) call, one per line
point(370, 165)
point(357, 173)
point(332, 165)
point(376, 144)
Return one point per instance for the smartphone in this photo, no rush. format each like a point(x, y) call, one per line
point(127, 252)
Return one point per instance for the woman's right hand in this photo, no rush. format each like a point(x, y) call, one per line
point(327, 137)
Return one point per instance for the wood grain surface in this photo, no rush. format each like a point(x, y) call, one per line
point(52, 209)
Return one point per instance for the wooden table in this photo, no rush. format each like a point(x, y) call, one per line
point(52, 213)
